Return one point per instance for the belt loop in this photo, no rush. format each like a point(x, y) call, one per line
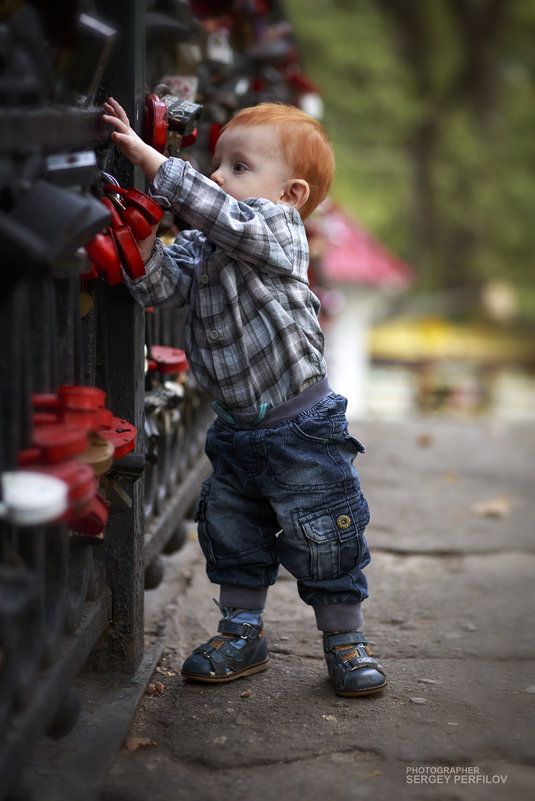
point(261, 414)
point(228, 418)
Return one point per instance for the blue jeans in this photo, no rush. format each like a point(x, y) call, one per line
point(287, 494)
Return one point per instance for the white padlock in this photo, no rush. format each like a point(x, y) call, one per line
point(31, 499)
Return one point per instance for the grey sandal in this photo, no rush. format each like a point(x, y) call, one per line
point(240, 650)
point(352, 667)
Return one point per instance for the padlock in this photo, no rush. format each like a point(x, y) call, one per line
point(169, 113)
point(152, 212)
point(93, 520)
point(89, 56)
point(122, 434)
point(127, 215)
point(99, 453)
point(65, 219)
point(167, 360)
point(190, 139)
point(32, 498)
point(183, 116)
point(103, 252)
point(82, 406)
point(79, 478)
point(72, 169)
point(155, 122)
point(54, 443)
point(128, 252)
point(80, 396)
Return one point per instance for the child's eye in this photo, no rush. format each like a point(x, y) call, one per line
point(239, 167)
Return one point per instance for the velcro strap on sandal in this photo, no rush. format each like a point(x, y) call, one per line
point(363, 661)
point(246, 630)
point(344, 638)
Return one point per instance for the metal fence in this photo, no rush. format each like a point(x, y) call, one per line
point(102, 425)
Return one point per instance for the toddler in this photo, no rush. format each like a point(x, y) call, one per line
point(283, 488)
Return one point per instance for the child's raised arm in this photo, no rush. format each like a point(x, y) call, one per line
point(129, 143)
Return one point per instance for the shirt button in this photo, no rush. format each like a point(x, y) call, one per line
point(205, 278)
point(214, 335)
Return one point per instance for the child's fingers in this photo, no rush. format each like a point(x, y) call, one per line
point(119, 126)
point(119, 111)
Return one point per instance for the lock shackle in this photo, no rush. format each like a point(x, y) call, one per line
point(110, 178)
point(135, 197)
point(115, 189)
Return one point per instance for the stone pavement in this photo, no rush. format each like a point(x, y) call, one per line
point(450, 616)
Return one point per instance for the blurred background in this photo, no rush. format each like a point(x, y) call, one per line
point(430, 107)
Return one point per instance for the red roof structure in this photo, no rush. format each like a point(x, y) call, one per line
point(351, 255)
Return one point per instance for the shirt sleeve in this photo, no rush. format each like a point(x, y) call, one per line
point(168, 275)
point(264, 234)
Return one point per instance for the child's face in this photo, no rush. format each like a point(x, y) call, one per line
point(248, 163)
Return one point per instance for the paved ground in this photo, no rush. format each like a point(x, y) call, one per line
point(450, 616)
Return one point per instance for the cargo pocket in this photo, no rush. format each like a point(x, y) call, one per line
point(334, 539)
point(199, 517)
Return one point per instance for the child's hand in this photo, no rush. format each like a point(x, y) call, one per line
point(129, 143)
point(126, 139)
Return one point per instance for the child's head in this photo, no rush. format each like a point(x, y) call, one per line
point(296, 138)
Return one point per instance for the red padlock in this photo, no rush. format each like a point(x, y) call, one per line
point(127, 215)
point(122, 434)
point(103, 252)
point(81, 396)
point(215, 130)
point(59, 441)
point(156, 122)
point(135, 197)
point(167, 360)
point(93, 520)
point(128, 251)
point(189, 140)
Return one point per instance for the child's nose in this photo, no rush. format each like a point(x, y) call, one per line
point(217, 177)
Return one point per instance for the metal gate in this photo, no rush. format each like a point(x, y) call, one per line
point(102, 425)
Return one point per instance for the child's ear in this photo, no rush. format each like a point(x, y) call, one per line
point(296, 193)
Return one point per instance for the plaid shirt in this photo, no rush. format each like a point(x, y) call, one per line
point(251, 333)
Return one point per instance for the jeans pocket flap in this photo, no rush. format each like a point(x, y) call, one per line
point(337, 522)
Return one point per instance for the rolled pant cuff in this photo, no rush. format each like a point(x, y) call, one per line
point(242, 597)
point(339, 617)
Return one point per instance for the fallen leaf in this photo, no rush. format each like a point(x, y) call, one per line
point(425, 440)
point(245, 694)
point(133, 743)
point(496, 507)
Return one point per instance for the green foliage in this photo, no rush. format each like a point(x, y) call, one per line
point(381, 88)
